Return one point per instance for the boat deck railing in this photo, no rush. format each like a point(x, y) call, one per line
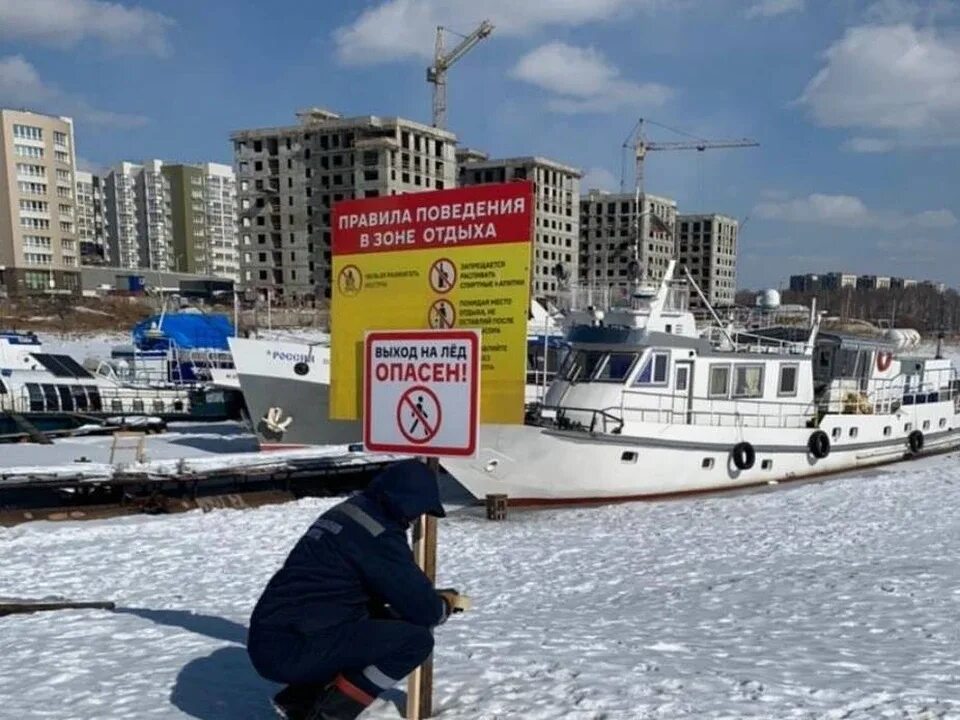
point(745, 342)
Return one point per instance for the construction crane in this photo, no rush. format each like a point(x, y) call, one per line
point(442, 61)
point(641, 146)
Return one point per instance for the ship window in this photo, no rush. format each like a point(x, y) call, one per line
point(683, 375)
point(836, 433)
point(926, 424)
point(96, 404)
point(3, 388)
point(36, 397)
point(719, 380)
point(79, 397)
point(766, 465)
point(943, 422)
point(158, 406)
point(853, 432)
point(707, 463)
point(788, 380)
point(582, 364)
point(887, 430)
point(66, 399)
point(616, 367)
point(50, 397)
point(628, 457)
point(908, 427)
point(137, 405)
point(748, 381)
point(116, 405)
point(654, 371)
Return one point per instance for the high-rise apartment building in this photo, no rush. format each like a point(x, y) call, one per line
point(609, 226)
point(39, 251)
point(556, 211)
point(707, 246)
point(203, 215)
point(90, 217)
point(139, 217)
point(289, 178)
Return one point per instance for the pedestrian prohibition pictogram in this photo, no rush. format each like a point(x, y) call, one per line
point(350, 280)
point(443, 275)
point(419, 414)
point(421, 392)
point(442, 315)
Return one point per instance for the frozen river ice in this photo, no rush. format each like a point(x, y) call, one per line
point(838, 599)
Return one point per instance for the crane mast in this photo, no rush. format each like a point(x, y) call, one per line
point(641, 146)
point(442, 61)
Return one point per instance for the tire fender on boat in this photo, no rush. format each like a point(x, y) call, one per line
point(743, 455)
point(915, 440)
point(819, 444)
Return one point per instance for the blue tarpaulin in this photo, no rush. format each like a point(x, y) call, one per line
point(184, 331)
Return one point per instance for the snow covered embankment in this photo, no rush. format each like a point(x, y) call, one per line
point(837, 600)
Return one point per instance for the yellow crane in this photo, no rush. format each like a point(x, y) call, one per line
point(442, 61)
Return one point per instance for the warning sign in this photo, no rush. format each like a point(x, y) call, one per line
point(445, 259)
point(421, 392)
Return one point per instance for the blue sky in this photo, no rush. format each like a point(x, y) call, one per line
point(856, 103)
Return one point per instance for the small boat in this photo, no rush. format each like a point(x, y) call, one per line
point(645, 405)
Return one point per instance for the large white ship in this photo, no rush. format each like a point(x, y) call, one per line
point(646, 406)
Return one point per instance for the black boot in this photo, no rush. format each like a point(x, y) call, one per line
point(333, 704)
point(294, 702)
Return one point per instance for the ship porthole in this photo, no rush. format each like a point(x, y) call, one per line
point(301, 368)
point(491, 466)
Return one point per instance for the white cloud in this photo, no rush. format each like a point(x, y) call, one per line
point(22, 86)
point(897, 78)
point(64, 23)
point(893, 12)
point(772, 8)
point(396, 29)
point(598, 178)
point(581, 80)
point(869, 145)
point(850, 212)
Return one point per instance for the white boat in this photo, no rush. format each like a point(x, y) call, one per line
point(644, 406)
point(286, 383)
point(33, 380)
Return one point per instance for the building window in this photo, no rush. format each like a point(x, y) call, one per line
point(27, 132)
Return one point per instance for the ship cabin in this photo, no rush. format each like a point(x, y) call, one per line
point(647, 363)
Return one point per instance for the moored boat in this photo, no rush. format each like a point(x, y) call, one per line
point(647, 406)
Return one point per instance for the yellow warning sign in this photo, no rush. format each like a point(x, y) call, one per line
point(446, 259)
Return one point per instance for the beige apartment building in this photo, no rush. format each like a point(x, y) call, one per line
point(707, 245)
point(39, 250)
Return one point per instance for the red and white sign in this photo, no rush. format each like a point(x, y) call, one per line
point(421, 392)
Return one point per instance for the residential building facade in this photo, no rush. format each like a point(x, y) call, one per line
point(90, 218)
point(288, 179)
point(39, 250)
point(556, 256)
point(139, 220)
point(707, 246)
point(609, 225)
point(203, 216)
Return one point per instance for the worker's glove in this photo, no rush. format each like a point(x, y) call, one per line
point(456, 603)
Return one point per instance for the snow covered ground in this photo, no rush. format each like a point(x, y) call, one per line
point(828, 600)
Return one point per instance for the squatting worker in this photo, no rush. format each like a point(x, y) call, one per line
point(350, 614)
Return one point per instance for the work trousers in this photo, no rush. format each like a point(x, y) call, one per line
point(372, 655)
